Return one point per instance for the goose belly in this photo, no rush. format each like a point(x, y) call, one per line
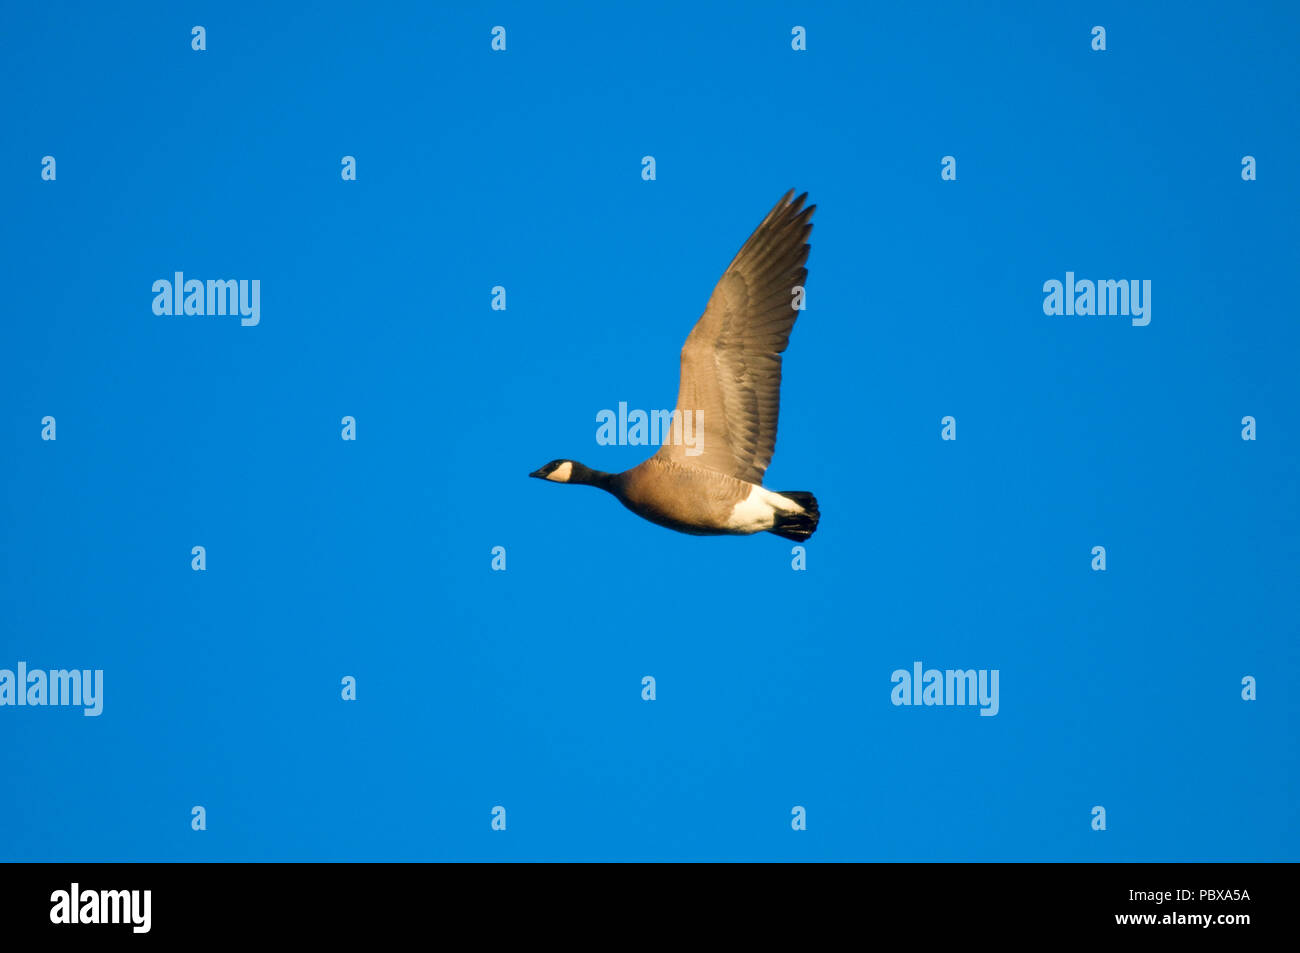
point(700, 502)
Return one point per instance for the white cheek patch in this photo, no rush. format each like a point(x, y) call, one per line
point(561, 473)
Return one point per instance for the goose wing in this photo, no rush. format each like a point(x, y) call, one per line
point(731, 362)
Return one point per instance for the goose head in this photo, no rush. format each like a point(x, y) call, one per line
point(557, 471)
point(570, 471)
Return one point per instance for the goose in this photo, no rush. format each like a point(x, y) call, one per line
point(731, 382)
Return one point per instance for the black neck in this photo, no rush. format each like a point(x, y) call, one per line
point(589, 477)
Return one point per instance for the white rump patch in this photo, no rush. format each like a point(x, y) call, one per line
point(757, 512)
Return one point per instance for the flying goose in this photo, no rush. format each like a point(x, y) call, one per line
point(731, 383)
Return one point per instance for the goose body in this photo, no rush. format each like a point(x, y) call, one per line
point(731, 381)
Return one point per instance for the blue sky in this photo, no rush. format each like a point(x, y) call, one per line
point(521, 688)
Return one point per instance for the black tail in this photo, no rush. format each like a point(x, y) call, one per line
point(797, 526)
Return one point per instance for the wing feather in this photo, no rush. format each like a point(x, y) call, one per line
point(731, 361)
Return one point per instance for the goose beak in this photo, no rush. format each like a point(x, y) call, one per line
point(538, 474)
